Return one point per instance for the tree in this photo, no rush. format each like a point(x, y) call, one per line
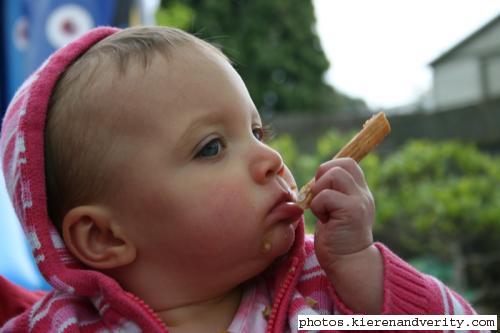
point(273, 45)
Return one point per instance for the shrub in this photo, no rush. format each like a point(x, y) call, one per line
point(433, 199)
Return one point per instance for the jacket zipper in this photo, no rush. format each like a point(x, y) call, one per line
point(281, 294)
point(147, 309)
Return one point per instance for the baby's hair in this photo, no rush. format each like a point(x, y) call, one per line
point(82, 152)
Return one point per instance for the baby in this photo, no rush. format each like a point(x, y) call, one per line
point(137, 164)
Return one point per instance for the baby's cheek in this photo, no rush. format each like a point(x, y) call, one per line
point(228, 199)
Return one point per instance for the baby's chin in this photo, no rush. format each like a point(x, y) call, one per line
point(279, 241)
point(279, 258)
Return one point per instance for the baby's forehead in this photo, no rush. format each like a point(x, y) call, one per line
point(114, 74)
point(123, 99)
point(119, 76)
point(139, 47)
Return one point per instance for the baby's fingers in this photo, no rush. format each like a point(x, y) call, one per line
point(336, 178)
point(327, 203)
point(348, 164)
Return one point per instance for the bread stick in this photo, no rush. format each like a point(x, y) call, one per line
point(374, 131)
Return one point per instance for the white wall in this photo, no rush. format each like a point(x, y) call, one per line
point(461, 78)
point(457, 82)
point(485, 43)
point(493, 76)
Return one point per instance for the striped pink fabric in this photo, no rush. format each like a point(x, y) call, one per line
point(88, 301)
point(252, 312)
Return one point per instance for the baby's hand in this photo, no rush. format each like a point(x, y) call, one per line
point(345, 208)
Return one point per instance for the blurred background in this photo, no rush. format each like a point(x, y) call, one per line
point(317, 70)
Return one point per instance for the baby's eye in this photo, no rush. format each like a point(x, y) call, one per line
point(263, 133)
point(258, 132)
point(211, 149)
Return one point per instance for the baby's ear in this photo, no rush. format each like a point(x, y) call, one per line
point(92, 236)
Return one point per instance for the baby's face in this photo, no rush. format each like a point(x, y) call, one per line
point(199, 193)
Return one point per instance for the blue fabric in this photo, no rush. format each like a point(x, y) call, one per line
point(11, 54)
point(16, 262)
point(68, 16)
point(31, 30)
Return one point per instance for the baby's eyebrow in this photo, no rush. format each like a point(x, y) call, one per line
point(208, 118)
point(211, 118)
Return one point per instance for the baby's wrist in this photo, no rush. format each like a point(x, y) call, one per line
point(358, 280)
point(344, 266)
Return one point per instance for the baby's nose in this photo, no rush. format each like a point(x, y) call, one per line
point(266, 164)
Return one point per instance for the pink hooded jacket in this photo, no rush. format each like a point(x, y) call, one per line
point(84, 300)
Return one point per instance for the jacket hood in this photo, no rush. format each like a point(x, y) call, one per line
point(22, 152)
